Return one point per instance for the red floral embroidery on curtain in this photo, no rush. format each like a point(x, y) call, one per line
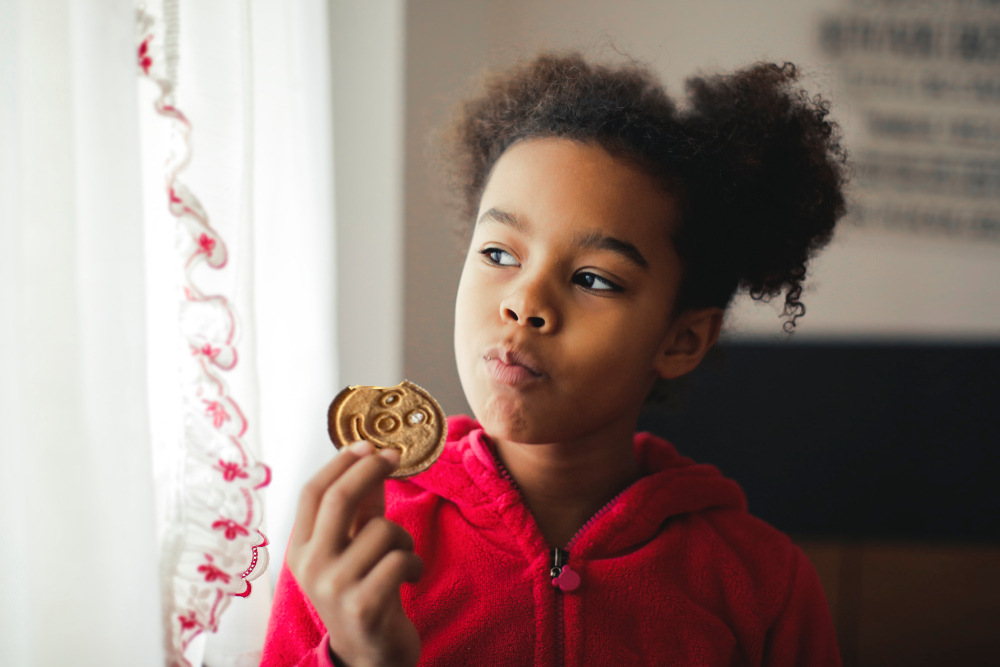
point(222, 550)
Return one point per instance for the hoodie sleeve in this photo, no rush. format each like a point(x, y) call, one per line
point(803, 633)
point(295, 634)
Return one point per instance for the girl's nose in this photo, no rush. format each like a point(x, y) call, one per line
point(527, 308)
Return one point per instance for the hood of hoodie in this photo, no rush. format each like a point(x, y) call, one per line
point(672, 485)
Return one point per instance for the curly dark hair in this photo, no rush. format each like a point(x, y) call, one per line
point(756, 163)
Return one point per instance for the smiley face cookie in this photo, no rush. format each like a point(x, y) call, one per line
point(404, 417)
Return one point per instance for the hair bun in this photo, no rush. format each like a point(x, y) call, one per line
point(767, 185)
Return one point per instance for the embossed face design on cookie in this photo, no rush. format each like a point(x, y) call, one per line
point(397, 416)
point(404, 417)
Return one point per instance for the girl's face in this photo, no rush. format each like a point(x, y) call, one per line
point(563, 308)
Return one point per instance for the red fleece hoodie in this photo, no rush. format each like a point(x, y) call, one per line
point(673, 571)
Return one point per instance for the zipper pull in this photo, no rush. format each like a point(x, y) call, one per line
point(563, 578)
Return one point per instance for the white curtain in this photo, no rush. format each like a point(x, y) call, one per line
point(79, 556)
point(98, 482)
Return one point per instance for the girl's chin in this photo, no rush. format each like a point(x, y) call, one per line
point(509, 420)
point(517, 418)
point(517, 422)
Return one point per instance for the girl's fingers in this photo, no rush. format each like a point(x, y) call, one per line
point(312, 492)
point(341, 501)
point(381, 586)
point(372, 506)
point(379, 537)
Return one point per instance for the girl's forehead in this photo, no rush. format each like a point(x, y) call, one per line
point(572, 187)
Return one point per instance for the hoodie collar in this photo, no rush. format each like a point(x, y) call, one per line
point(672, 485)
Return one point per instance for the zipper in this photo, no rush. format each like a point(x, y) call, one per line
point(590, 522)
point(597, 515)
point(559, 650)
point(564, 579)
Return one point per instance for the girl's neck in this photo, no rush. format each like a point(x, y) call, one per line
point(564, 484)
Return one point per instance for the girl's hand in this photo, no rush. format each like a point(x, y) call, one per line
point(351, 561)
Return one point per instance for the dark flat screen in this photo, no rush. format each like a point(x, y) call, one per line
point(866, 441)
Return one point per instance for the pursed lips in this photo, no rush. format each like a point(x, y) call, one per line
point(511, 366)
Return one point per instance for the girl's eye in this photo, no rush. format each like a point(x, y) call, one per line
point(499, 257)
point(592, 281)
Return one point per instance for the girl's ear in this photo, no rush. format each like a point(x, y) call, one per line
point(691, 336)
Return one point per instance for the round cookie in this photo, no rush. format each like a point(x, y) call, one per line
point(404, 417)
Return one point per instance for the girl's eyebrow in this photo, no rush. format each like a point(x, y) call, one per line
point(623, 248)
point(504, 218)
point(593, 240)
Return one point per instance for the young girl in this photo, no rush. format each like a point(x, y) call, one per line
point(609, 233)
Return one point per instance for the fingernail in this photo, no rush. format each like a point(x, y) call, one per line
point(391, 454)
point(361, 448)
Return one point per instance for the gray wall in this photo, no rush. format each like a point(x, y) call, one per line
point(366, 41)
